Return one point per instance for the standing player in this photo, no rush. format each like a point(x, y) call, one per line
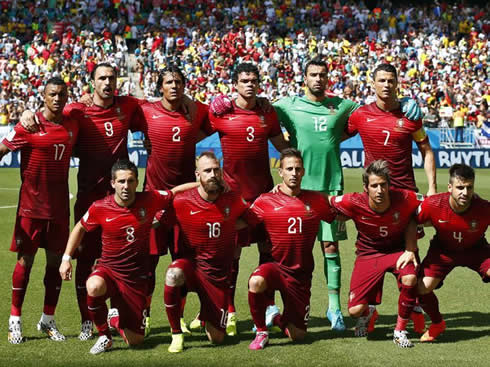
point(291, 217)
point(173, 130)
point(122, 270)
point(385, 225)
point(461, 219)
point(387, 134)
point(206, 218)
point(244, 132)
point(101, 142)
point(43, 212)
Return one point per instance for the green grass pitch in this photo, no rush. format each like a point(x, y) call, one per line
point(464, 304)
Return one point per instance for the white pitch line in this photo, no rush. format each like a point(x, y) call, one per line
point(8, 206)
point(9, 188)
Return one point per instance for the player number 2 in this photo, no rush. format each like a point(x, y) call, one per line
point(320, 123)
point(176, 131)
point(109, 129)
point(387, 136)
point(458, 236)
point(295, 225)
point(130, 234)
point(250, 131)
point(383, 231)
point(214, 229)
point(59, 149)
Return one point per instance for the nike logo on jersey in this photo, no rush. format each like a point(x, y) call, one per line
point(233, 117)
point(195, 212)
point(42, 134)
point(157, 116)
point(278, 208)
point(365, 218)
point(110, 219)
point(443, 221)
point(369, 120)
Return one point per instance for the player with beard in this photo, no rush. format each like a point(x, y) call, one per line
point(43, 212)
point(461, 219)
point(102, 140)
point(206, 219)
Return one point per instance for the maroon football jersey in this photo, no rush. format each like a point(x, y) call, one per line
point(173, 138)
point(102, 140)
point(207, 230)
point(292, 225)
point(244, 138)
point(387, 136)
point(455, 232)
point(379, 233)
point(44, 166)
point(125, 231)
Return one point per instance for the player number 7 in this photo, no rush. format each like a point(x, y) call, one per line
point(387, 136)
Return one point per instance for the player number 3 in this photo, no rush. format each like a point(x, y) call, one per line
point(250, 136)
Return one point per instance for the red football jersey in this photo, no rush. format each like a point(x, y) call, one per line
point(292, 225)
point(102, 140)
point(44, 166)
point(173, 138)
point(455, 232)
point(387, 136)
point(125, 231)
point(207, 230)
point(244, 138)
point(379, 233)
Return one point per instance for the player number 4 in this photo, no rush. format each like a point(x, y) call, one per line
point(214, 229)
point(59, 149)
point(295, 225)
point(458, 236)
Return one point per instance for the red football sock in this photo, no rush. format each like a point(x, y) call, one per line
point(52, 285)
point(233, 280)
point(406, 301)
point(173, 300)
point(430, 304)
point(82, 272)
point(258, 305)
point(97, 310)
point(20, 279)
point(401, 324)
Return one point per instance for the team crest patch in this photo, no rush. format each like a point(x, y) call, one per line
point(473, 225)
point(396, 217)
point(227, 212)
point(399, 125)
point(262, 121)
point(331, 109)
point(142, 212)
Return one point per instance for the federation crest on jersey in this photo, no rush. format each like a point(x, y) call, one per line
point(308, 209)
point(399, 125)
point(227, 212)
point(262, 121)
point(142, 213)
point(396, 217)
point(473, 225)
point(331, 109)
point(120, 115)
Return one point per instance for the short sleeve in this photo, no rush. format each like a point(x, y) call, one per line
point(90, 220)
point(138, 121)
point(162, 198)
point(327, 213)
point(423, 212)
point(254, 215)
point(273, 120)
point(16, 139)
point(344, 204)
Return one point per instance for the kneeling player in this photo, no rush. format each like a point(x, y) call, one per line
point(206, 219)
point(383, 219)
point(461, 219)
point(121, 272)
point(291, 217)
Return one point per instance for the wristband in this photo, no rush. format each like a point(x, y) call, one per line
point(66, 258)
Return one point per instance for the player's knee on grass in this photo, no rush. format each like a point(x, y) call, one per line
point(257, 284)
point(427, 285)
point(53, 259)
point(357, 311)
point(175, 277)
point(96, 286)
point(296, 334)
point(25, 260)
point(215, 336)
point(409, 280)
point(330, 247)
point(133, 338)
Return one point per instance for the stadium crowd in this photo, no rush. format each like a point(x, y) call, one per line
point(440, 48)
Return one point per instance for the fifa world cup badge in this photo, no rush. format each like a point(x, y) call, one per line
point(227, 212)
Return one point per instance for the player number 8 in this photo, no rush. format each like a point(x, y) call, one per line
point(130, 234)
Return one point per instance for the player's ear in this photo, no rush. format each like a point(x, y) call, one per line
point(113, 184)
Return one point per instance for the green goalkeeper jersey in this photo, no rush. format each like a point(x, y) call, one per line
point(315, 129)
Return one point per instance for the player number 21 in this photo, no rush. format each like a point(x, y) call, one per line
point(59, 149)
point(214, 229)
point(295, 225)
point(320, 123)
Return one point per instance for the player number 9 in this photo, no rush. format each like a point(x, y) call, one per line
point(109, 129)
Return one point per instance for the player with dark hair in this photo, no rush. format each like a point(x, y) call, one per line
point(244, 133)
point(121, 272)
point(102, 140)
point(206, 218)
point(43, 212)
point(461, 219)
point(291, 217)
point(386, 243)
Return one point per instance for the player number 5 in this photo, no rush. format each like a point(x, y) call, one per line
point(214, 229)
point(383, 231)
